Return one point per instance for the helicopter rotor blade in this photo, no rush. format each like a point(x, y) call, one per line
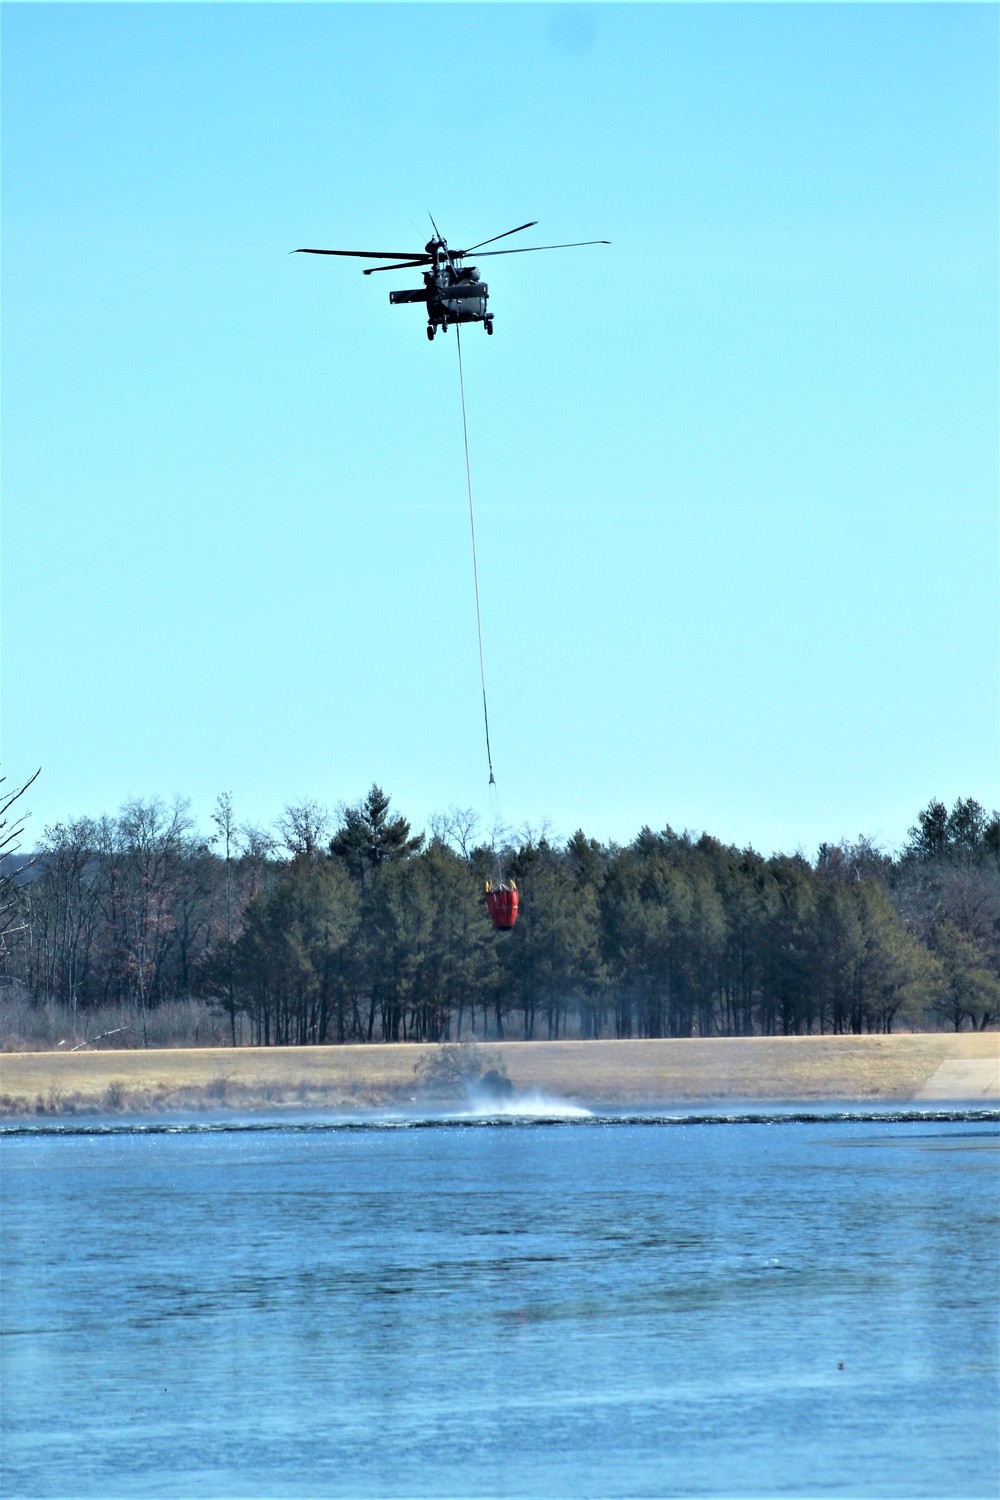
point(400, 265)
point(530, 225)
point(365, 254)
point(528, 249)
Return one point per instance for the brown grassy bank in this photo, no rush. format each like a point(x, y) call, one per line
point(605, 1073)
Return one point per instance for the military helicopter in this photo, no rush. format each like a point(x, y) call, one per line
point(453, 293)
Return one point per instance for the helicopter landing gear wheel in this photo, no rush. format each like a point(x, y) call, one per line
point(430, 331)
point(488, 325)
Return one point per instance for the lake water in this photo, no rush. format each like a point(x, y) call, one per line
point(614, 1308)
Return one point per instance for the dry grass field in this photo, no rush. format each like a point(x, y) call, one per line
point(603, 1074)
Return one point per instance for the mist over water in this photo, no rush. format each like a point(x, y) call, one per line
point(526, 1107)
point(502, 1304)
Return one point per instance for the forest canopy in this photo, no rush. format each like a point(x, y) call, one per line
point(353, 928)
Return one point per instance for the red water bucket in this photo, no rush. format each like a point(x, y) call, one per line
point(502, 907)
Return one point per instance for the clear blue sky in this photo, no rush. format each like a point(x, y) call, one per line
point(736, 474)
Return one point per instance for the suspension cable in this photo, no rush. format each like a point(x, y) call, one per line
point(475, 565)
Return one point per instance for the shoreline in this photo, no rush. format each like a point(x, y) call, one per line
point(908, 1067)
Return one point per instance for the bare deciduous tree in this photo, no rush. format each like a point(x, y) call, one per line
point(11, 828)
point(303, 827)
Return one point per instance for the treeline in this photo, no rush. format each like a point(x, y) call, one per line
point(355, 929)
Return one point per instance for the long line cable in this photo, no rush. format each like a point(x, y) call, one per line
point(475, 565)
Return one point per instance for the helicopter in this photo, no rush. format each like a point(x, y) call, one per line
point(453, 293)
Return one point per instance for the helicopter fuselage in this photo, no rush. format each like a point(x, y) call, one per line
point(453, 294)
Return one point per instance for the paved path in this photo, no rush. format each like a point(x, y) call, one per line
point(964, 1078)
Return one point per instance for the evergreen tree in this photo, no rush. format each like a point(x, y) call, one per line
point(368, 837)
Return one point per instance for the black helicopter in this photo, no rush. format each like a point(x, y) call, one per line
point(453, 293)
